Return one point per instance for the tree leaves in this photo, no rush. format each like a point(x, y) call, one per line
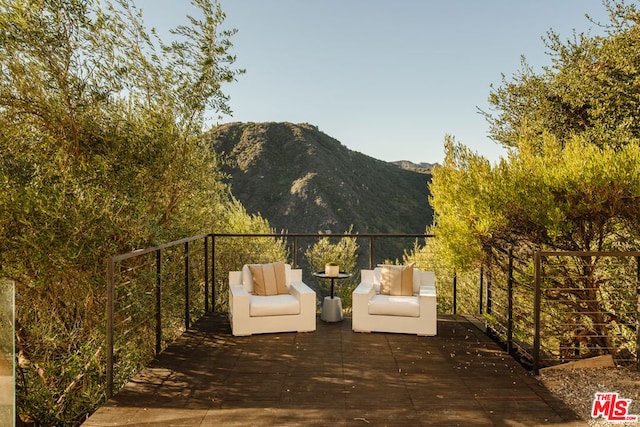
point(101, 153)
point(570, 180)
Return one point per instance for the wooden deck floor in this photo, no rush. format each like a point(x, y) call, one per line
point(334, 377)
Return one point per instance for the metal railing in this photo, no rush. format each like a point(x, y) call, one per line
point(136, 291)
point(600, 307)
point(525, 303)
point(146, 287)
point(509, 303)
point(552, 307)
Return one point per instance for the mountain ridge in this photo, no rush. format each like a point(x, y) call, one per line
point(420, 166)
point(302, 180)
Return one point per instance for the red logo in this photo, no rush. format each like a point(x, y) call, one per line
point(612, 408)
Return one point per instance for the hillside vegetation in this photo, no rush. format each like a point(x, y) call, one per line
point(570, 182)
point(302, 180)
point(100, 153)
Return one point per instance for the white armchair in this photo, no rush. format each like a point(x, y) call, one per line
point(294, 311)
point(409, 314)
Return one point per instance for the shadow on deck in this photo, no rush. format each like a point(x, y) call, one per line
point(334, 377)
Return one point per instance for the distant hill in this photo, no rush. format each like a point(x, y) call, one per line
point(419, 167)
point(304, 181)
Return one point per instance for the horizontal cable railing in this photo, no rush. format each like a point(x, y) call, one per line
point(530, 302)
point(586, 303)
point(153, 294)
point(510, 303)
point(553, 307)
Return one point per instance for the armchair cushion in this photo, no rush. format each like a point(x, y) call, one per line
point(269, 279)
point(273, 305)
point(408, 306)
point(396, 280)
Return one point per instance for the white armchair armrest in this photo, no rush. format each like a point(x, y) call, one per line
point(238, 301)
point(428, 306)
point(427, 290)
point(303, 293)
point(238, 291)
point(235, 278)
point(365, 290)
point(307, 298)
point(360, 304)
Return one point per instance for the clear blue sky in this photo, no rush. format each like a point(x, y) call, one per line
point(387, 78)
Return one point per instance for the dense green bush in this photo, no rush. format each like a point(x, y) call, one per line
point(571, 177)
point(344, 253)
point(101, 153)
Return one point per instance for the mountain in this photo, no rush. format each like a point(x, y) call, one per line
point(419, 167)
point(304, 181)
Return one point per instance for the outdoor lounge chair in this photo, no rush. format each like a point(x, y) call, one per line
point(381, 306)
point(275, 300)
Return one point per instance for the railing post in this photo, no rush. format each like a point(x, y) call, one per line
point(109, 314)
point(455, 293)
point(536, 315)
point(206, 274)
point(370, 252)
point(481, 290)
point(158, 301)
point(294, 257)
point(187, 320)
point(489, 290)
point(510, 304)
point(213, 272)
point(638, 314)
point(8, 355)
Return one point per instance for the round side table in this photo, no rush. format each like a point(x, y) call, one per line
point(332, 305)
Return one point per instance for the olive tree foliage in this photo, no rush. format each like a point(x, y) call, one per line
point(555, 195)
point(100, 154)
point(571, 179)
point(463, 217)
point(233, 252)
point(568, 181)
point(344, 253)
point(566, 195)
point(589, 89)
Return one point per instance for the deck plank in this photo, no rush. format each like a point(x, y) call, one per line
point(336, 377)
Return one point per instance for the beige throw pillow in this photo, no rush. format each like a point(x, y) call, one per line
point(281, 278)
point(396, 280)
point(269, 279)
